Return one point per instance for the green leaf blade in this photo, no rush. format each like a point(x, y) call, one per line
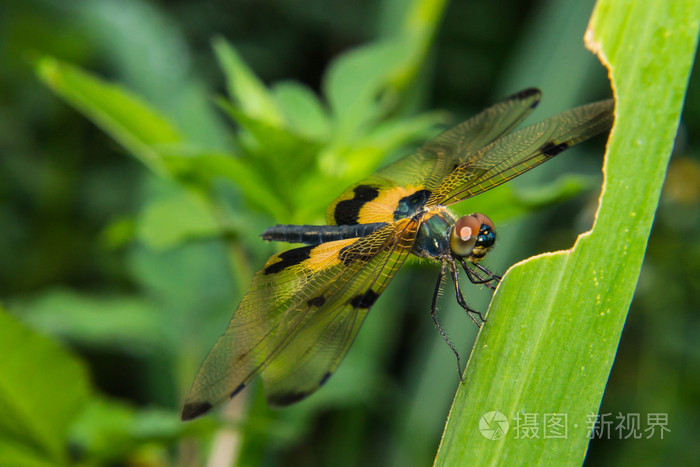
point(555, 323)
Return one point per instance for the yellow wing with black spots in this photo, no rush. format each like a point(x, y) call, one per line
point(299, 318)
point(409, 182)
point(516, 153)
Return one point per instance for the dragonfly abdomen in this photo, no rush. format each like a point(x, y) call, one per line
point(317, 234)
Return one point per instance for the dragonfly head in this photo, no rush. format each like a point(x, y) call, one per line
point(472, 237)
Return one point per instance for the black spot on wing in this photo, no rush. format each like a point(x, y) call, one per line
point(365, 300)
point(347, 212)
point(550, 149)
point(526, 94)
point(237, 390)
point(194, 410)
point(409, 205)
point(280, 400)
point(325, 378)
point(316, 301)
point(289, 258)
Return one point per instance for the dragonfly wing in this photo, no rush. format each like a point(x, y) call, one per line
point(520, 151)
point(291, 299)
point(316, 342)
point(240, 353)
point(409, 182)
point(455, 145)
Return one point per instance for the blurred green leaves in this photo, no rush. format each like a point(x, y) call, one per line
point(111, 323)
point(131, 122)
point(357, 85)
point(288, 154)
point(170, 221)
point(248, 93)
point(42, 389)
point(286, 140)
point(556, 320)
point(110, 432)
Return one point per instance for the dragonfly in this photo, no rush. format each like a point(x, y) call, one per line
point(306, 305)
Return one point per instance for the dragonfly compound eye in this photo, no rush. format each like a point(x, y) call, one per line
point(485, 238)
point(487, 235)
point(472, 236)
point(464, 235)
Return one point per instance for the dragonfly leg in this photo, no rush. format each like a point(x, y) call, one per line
point(433, 314)
point(487, 272)
point(476, 278)
point(460, 298)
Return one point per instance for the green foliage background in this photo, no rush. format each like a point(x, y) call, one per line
point(121, 262)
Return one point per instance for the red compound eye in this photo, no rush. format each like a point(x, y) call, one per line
point(483, 219)
point(463, 237)
point(466, 227)
point(466, 231)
